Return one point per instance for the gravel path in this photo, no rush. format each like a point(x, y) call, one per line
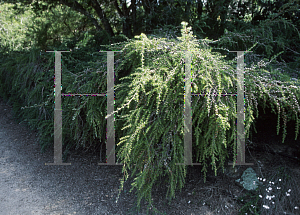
point(28, 186)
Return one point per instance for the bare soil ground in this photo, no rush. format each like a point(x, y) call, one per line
point(28, 186)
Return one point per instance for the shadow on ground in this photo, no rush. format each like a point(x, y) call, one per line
point(30, 187)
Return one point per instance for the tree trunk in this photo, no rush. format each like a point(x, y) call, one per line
point(102, 17)
point(133, 15)
point(200, 8)
point(127, 24)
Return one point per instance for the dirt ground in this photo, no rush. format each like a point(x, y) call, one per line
point(28, 186)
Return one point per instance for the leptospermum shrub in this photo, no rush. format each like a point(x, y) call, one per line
point(149, 104)
point(152, 106)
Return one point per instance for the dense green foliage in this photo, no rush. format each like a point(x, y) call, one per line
point(149, 84)
point(156, 95)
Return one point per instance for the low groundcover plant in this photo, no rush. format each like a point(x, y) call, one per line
point(276, 196)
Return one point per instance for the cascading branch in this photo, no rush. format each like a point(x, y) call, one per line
point(152, 136)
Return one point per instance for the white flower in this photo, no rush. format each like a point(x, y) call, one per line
point(264, 179)
point(296, 208)
point(287, 194)
point(270, 188)
point(289, 190)
point(279, 179)
point(278, 188)
point(270, 197)
point(265, 206)
point(260, 196)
